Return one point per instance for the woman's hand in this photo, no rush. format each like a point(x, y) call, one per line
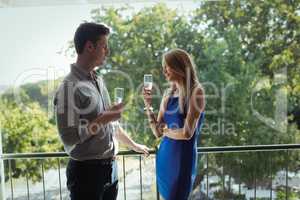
point(162, 127)
point(147, 96)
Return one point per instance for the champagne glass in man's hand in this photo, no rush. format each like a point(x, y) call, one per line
point(115, 111)
point(119, 95)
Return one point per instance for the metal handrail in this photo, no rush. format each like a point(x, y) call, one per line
point(248, 148)
point(200, 150)
point(222, 149)
point(10, 156)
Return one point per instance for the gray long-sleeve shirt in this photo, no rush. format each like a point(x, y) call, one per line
point(80, 100)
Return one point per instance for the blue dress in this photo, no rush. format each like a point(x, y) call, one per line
point(176, 160)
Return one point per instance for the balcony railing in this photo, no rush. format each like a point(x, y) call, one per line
point(206, 163)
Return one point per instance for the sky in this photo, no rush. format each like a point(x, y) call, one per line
point(31, 38)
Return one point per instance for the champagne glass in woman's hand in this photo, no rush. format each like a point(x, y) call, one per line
point(148, 82)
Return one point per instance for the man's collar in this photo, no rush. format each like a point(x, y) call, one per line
point(81, 72)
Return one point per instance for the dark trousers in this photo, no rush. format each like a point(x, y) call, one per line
point(92, 179)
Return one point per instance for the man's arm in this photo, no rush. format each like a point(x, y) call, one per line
point(72, 129)
point(67, 117)
point(110, 115)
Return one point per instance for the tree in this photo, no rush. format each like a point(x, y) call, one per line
point(251, 42)
point(268, 32)
point(26, 129)
point(235, 45)
point(137, 43)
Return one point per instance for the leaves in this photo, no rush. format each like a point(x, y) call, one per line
point(240, 49)
point(26, 129)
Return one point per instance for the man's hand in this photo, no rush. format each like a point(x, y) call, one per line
point(110, 115)
point(114, 112)
point(141, 149)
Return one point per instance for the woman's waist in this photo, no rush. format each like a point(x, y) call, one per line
point(172, 143)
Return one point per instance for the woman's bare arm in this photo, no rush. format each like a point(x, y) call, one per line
point(157, 124)
point(196, 106)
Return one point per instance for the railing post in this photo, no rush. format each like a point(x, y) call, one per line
point(2, 181)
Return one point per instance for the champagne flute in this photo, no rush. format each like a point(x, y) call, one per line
point(119, 95)
point(148, 83)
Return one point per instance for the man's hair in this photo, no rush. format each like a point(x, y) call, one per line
point(88, 32)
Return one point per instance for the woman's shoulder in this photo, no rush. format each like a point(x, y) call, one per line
point(198, 97)
point(166, 96)
point(167, 92)
point(198, 90)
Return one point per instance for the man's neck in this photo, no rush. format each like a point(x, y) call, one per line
point(84, 64)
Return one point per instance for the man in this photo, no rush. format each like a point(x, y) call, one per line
point(84, 119)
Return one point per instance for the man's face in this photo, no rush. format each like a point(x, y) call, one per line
point(101, 51)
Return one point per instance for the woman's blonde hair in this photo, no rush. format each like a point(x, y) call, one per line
point(182, 64)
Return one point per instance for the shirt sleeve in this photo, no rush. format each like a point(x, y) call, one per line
point(72, 129)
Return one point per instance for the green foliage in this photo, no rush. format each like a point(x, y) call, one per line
point(268, 32)
point(41, 92)
point(228, 195)
point(248, 44)
point(238, 46)
point(137, 44)
point(281, 194)
point(26, 129)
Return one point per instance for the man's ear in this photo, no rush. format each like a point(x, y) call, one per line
point(89, 46)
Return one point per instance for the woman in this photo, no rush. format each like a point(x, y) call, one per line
point(179, 122)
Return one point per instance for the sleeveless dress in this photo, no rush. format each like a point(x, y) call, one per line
point(176, 160)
